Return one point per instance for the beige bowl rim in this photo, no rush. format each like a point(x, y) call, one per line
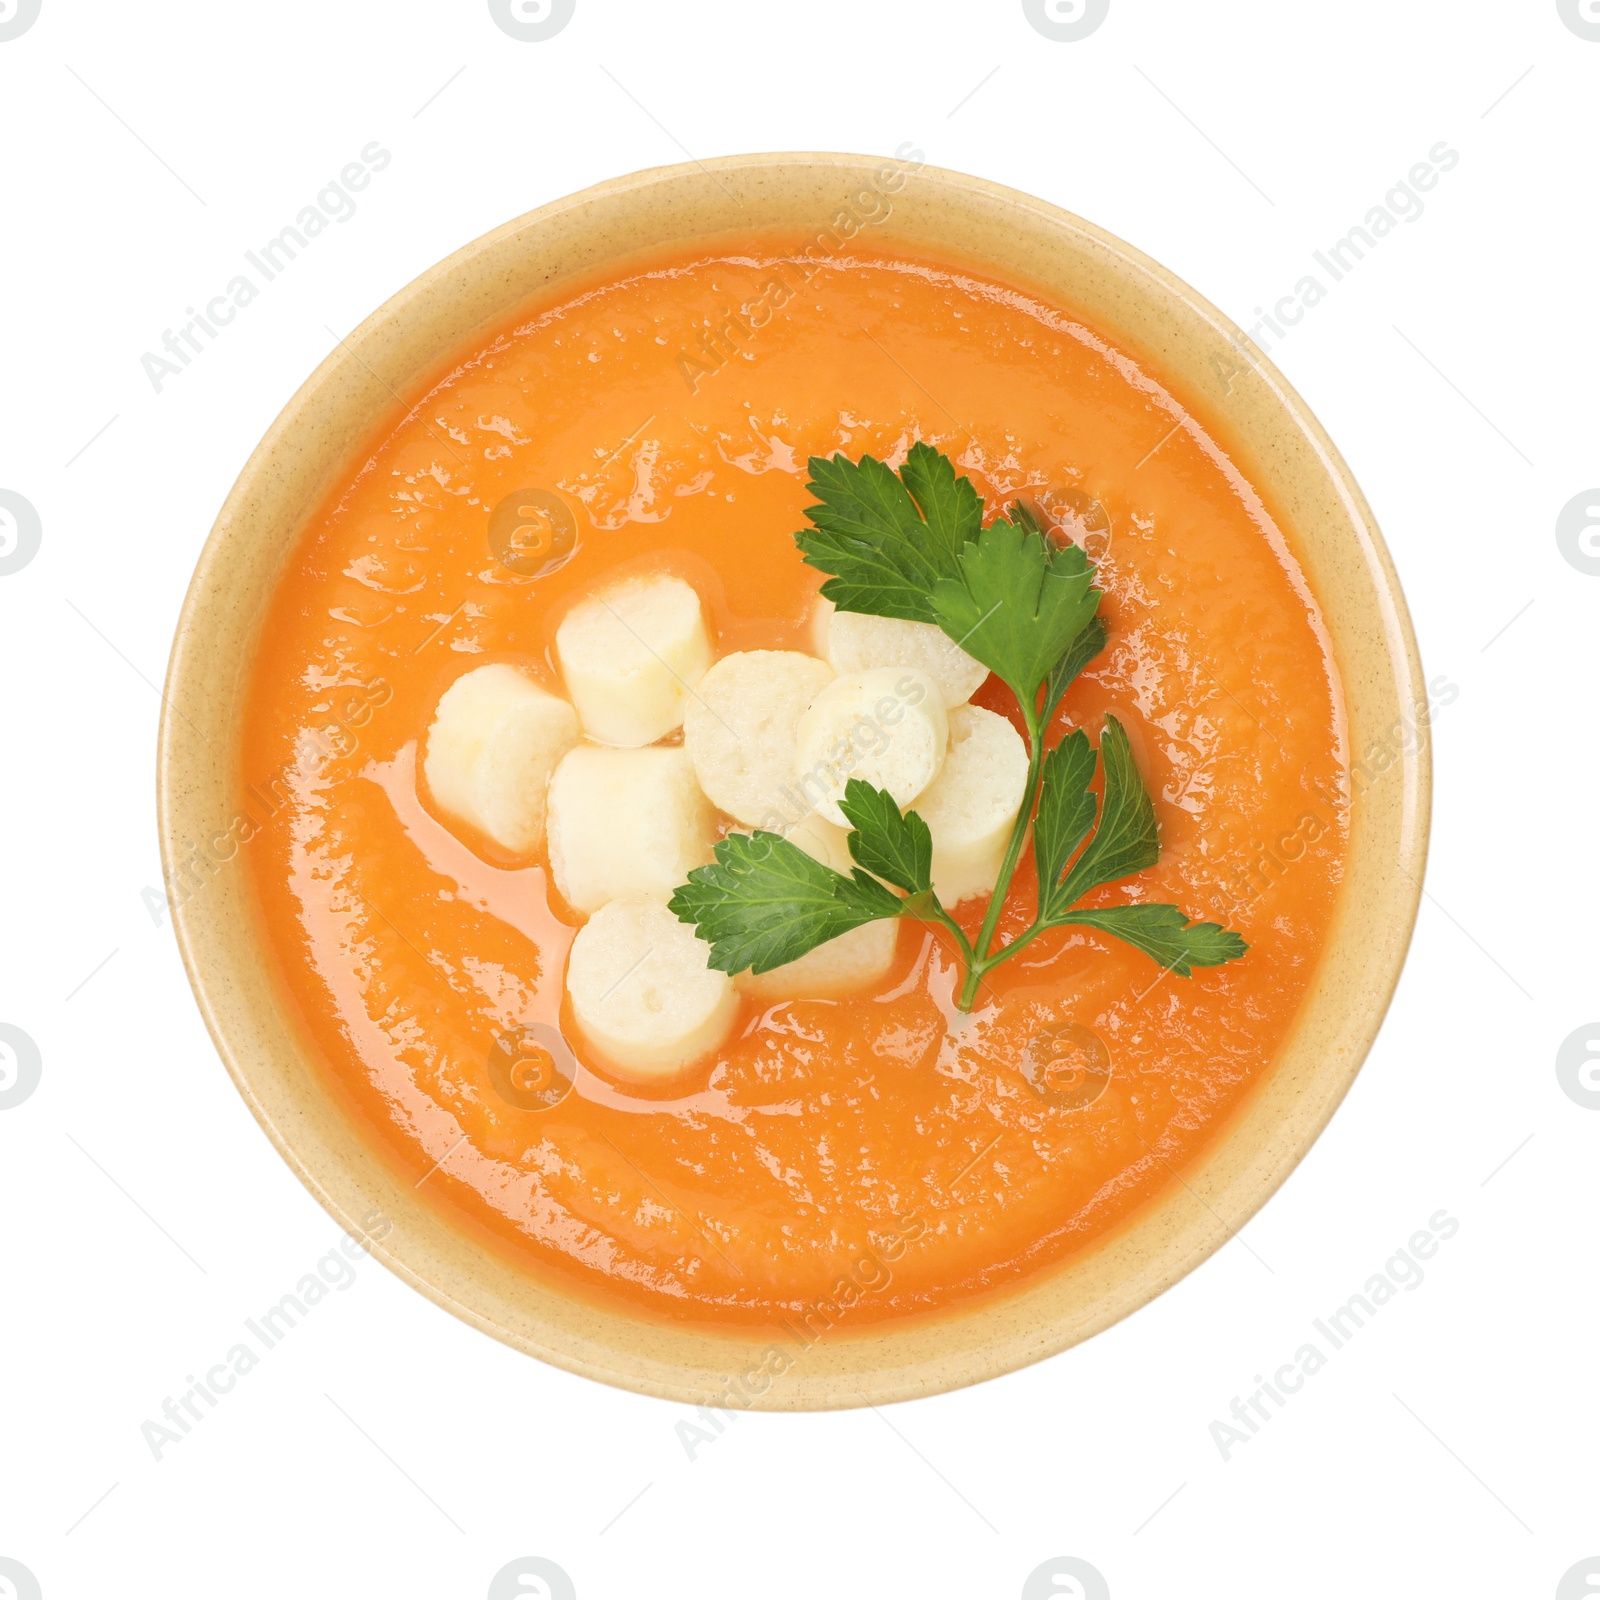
point(1140, 306)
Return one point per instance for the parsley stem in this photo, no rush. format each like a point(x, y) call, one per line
point(977, 971)
point(1019, 831)
point(969, 988)
point(968, 956)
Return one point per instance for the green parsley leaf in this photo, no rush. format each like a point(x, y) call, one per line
point(867, 532)
point(765, 902)
point(912, 545)
point(1018, 603)
point(1065, 815)
point(894, 847)
point(1079, 654)
point(1026, 517)
point(1126, 840)
point(1164, 934)
point(950, 506)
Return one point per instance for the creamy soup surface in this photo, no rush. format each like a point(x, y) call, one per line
point(845, 1160)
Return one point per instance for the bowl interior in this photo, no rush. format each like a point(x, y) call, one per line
point(1138, 305)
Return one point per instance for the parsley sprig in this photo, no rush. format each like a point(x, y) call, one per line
point(913, 545)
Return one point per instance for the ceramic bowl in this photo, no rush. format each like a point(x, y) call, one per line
point(1278, 444)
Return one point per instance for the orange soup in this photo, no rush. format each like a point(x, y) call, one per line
point(837, 1161)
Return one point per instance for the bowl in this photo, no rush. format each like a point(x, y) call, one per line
point(1279, 445)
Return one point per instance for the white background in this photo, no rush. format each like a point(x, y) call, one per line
point(385, 1448)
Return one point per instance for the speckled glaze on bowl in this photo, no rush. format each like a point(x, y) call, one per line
point(1276, 442)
